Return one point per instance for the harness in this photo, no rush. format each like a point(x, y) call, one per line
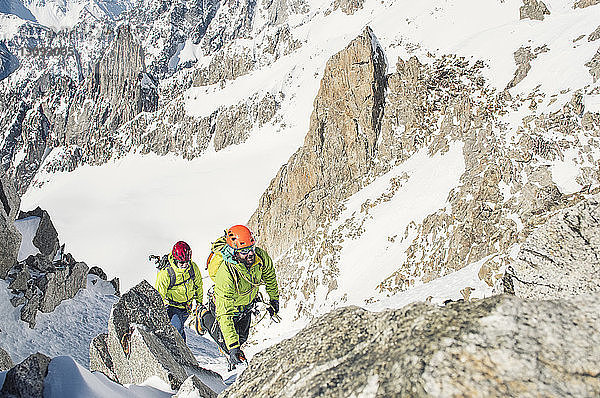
point(173, 278)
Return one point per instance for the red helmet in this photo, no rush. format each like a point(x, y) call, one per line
point(239, 237)
point(182, 252)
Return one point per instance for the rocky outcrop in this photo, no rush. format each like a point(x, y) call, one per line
point(562, 257)
point(533, 9)
point(8, 62)
point(10, 238)
point(337, 150)
point(499, 346)
point(595, 35)
point(523, 57)
point(585, 3)
point(116, 91)
point(27, 378)
point(141, 342)
point(349, 7)
point(46, 237)
point(594, 66)
point(5, 360)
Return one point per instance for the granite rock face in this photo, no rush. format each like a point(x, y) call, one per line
point(5, 360)
point(10, 238)
point(499, 346)
point(337, 149)
point(26, 380)
point(141, 342)
point(562, 257)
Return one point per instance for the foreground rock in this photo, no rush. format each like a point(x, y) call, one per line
point(141, 342)
point(27, 378)
point(5, 360)
point(562, 257)
point(499, 346)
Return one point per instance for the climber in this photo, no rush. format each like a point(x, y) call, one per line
point(179, 284)
point(238, 268)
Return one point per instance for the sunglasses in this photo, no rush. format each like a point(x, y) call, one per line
point(182, 263)
point(245, 251)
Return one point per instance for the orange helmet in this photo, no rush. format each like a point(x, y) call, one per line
point(239, 237)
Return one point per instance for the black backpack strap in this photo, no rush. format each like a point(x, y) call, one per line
point(172, 277)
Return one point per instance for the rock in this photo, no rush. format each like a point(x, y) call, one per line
point(10, 238)
point(349, 7)
point(46, 237)
point(62, 285)
point(115, 283)
point(337, 150)
point(562, 257)
point(100, 359)
point(20, 279)
point(193, 387)
point(533, 9)
point(5, 361)
point(141, 342)
point(499, 346)
point(26, 380)
point(585, 3)
point(8, 62)
point(97, 271)
point(594, 66)
point(595, 35)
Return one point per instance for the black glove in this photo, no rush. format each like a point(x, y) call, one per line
point(236, 356)
point(274, 307)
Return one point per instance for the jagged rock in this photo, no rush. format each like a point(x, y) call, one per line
point(337, 150)
point(100, 359)
point(594, 66)
point(499, 346)
point(595, 35)
point(31, 306)
point(10, 238)
point(8, 62)
point(585, 3)
point(119, 89)
point(26, 380)
point(193, 387)
point(40, 263)
point(5, 360)
point(523, 57)
point(46, 237)
point(141, 342)
point(20, 279)
point(533, 9)
point(562, 257)
point(115, 283)
point(62, 285)
point(98, 271)
point(349, 7)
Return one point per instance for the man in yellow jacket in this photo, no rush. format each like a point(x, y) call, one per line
point(179, 284)
point(238, 268)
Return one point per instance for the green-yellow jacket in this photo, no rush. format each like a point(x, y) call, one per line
point(184, 290)
point(236, 286)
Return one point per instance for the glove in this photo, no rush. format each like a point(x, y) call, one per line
point(274, 307)
point(236, 356)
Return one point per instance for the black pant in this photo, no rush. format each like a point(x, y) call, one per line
point(241, 323)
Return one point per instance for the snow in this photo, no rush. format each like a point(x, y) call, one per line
point(28, 228)
point(592, 103)
point(9, 26)
point(67, 330)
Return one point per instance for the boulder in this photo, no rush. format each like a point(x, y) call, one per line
point(98, 272)
point(5, 360)
point(10, 238)
point(63, 284)
point(498, 346)
point(141, 342)
point(46, 237)
point(562, 257)
point(26, 380)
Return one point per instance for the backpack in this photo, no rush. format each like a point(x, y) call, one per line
point(217, 246)
point(163, 262)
